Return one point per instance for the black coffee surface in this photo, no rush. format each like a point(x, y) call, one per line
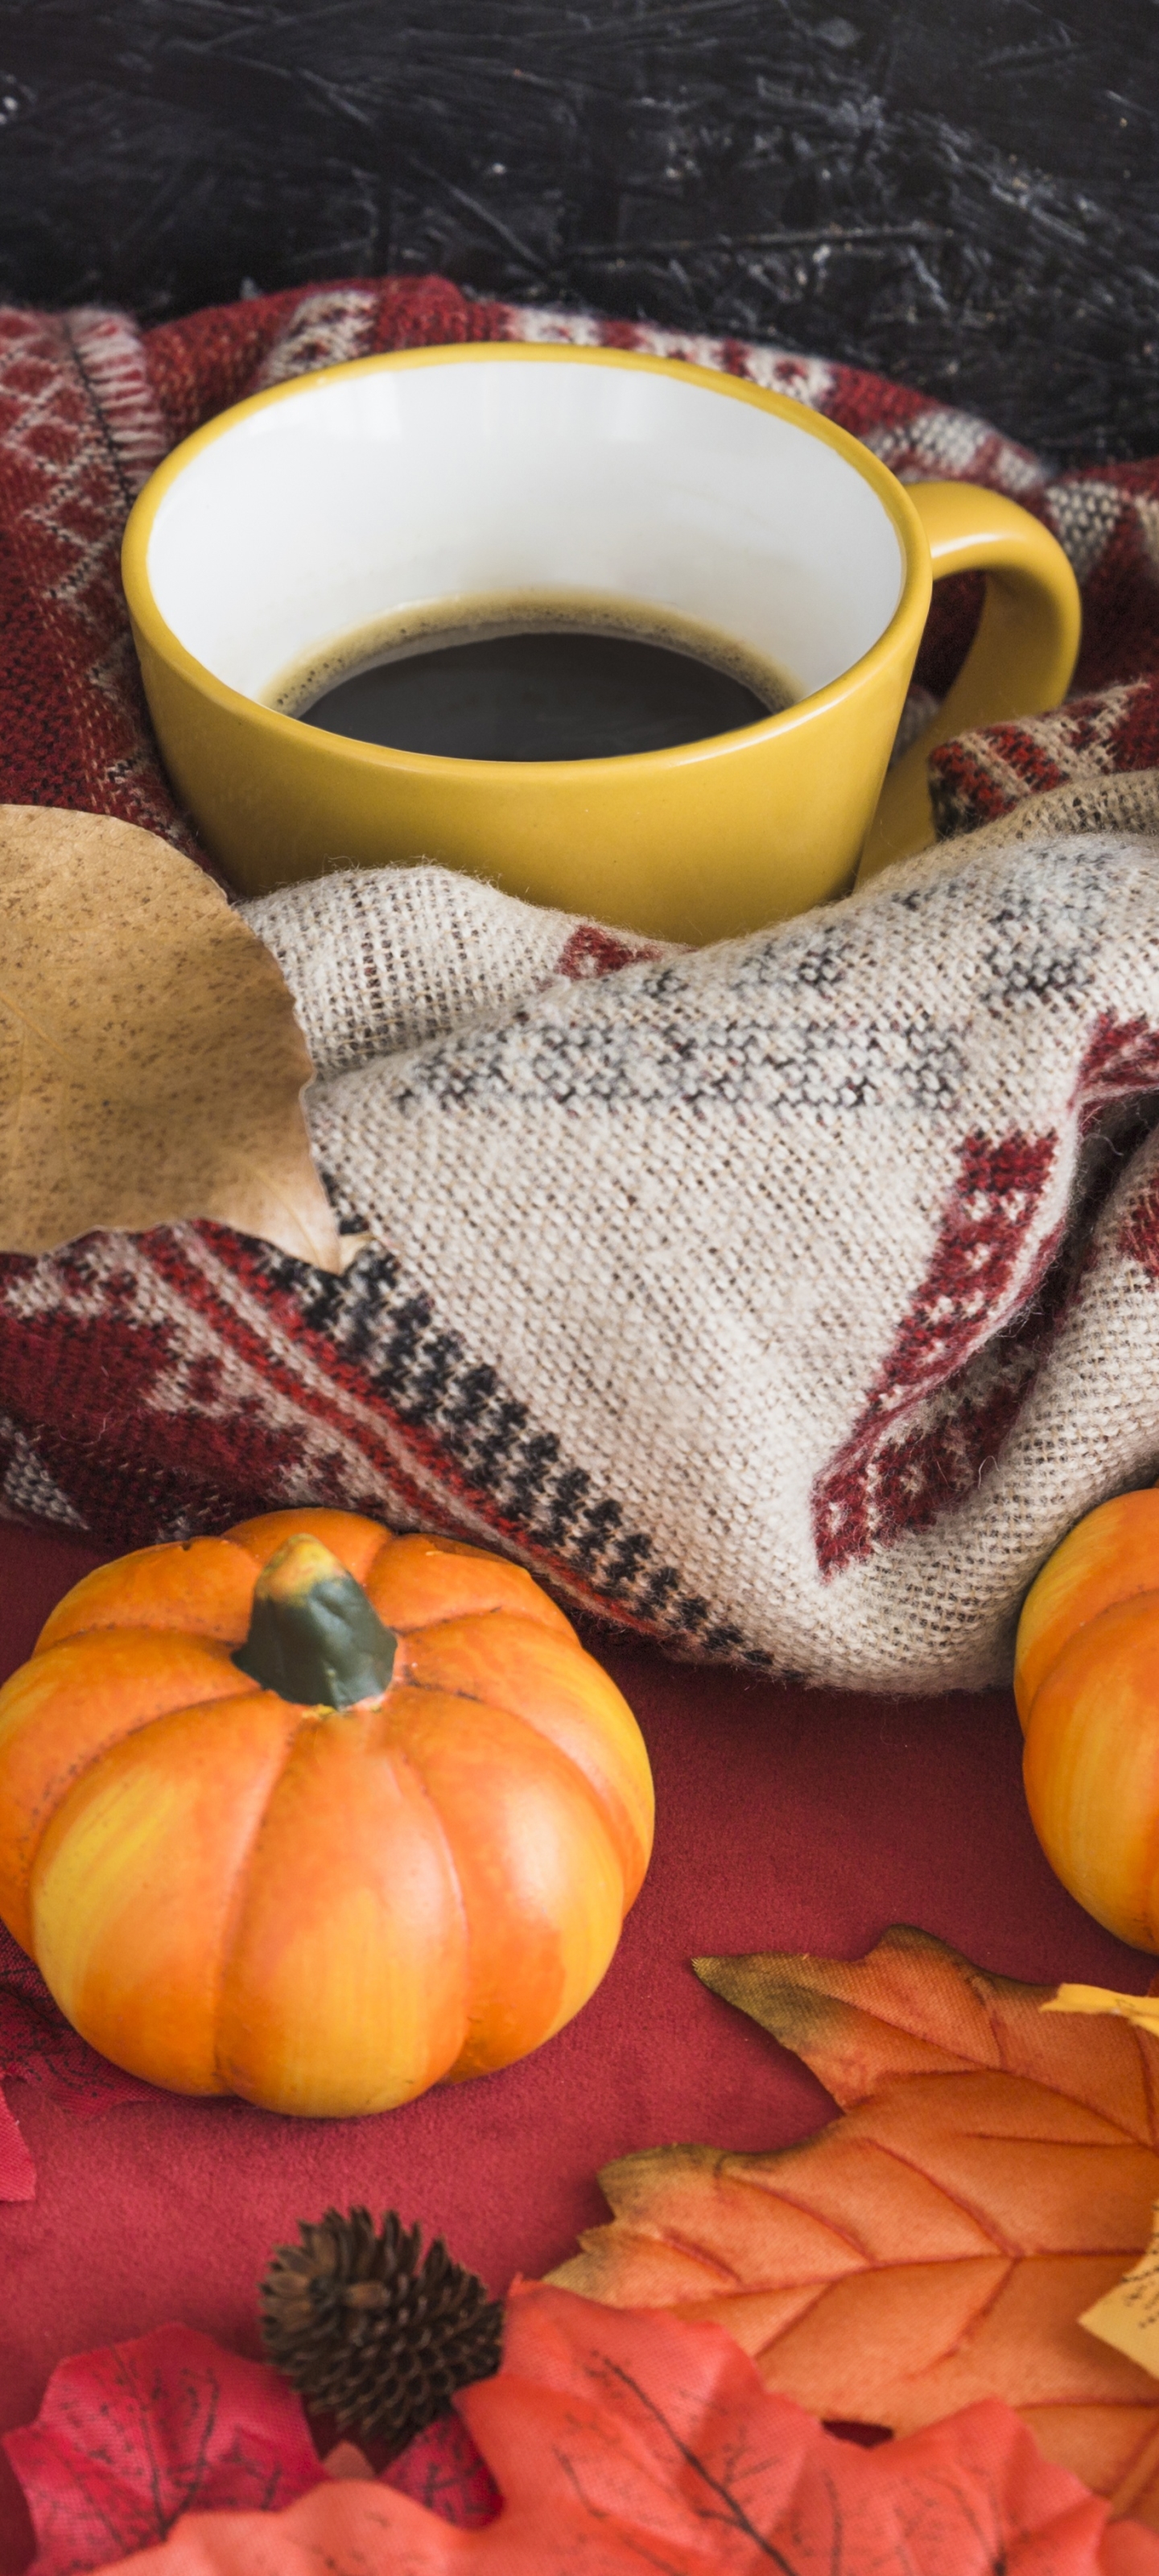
point(554, 696)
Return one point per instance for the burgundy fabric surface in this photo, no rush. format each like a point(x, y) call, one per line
point(786, 1819)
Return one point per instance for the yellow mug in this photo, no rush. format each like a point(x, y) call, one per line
point(304, 515)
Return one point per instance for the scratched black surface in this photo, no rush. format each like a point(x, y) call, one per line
point(962, 192)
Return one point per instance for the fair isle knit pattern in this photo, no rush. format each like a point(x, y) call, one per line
point(785, 1300)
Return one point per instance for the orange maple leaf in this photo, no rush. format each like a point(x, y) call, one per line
point(993, 2175)
point(625, 2444)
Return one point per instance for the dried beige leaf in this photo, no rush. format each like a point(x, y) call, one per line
point(151, 1067)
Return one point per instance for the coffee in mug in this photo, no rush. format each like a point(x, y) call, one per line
point(536, 675)
point(404, 485)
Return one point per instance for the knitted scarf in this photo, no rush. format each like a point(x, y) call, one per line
point(786, 1300)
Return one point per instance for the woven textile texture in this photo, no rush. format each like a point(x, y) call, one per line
point(786, 1300)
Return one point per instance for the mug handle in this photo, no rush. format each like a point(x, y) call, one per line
point(1022, 657)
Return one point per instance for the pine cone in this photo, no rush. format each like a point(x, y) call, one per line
point(368, 2333)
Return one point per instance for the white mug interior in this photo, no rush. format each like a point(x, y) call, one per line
point(383, 488)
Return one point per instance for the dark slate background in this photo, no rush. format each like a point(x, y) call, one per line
point(964, 193)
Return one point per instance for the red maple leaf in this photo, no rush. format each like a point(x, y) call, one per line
point(625, 2442)
point(444, 2470)
point(132, 2436)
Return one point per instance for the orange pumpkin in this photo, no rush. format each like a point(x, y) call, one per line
point(317, 1815)
point(1086, 1681)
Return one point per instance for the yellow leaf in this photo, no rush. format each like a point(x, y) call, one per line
point(1143, 2010)
point(1127, 2316)
point(151, 1067)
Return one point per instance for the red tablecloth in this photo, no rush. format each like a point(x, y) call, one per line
point(787, 1819)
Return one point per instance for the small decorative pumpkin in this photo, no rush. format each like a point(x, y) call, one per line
point(1086, 1680)
point(317, 1815)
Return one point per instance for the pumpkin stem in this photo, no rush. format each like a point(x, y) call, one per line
point(314, 1637)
